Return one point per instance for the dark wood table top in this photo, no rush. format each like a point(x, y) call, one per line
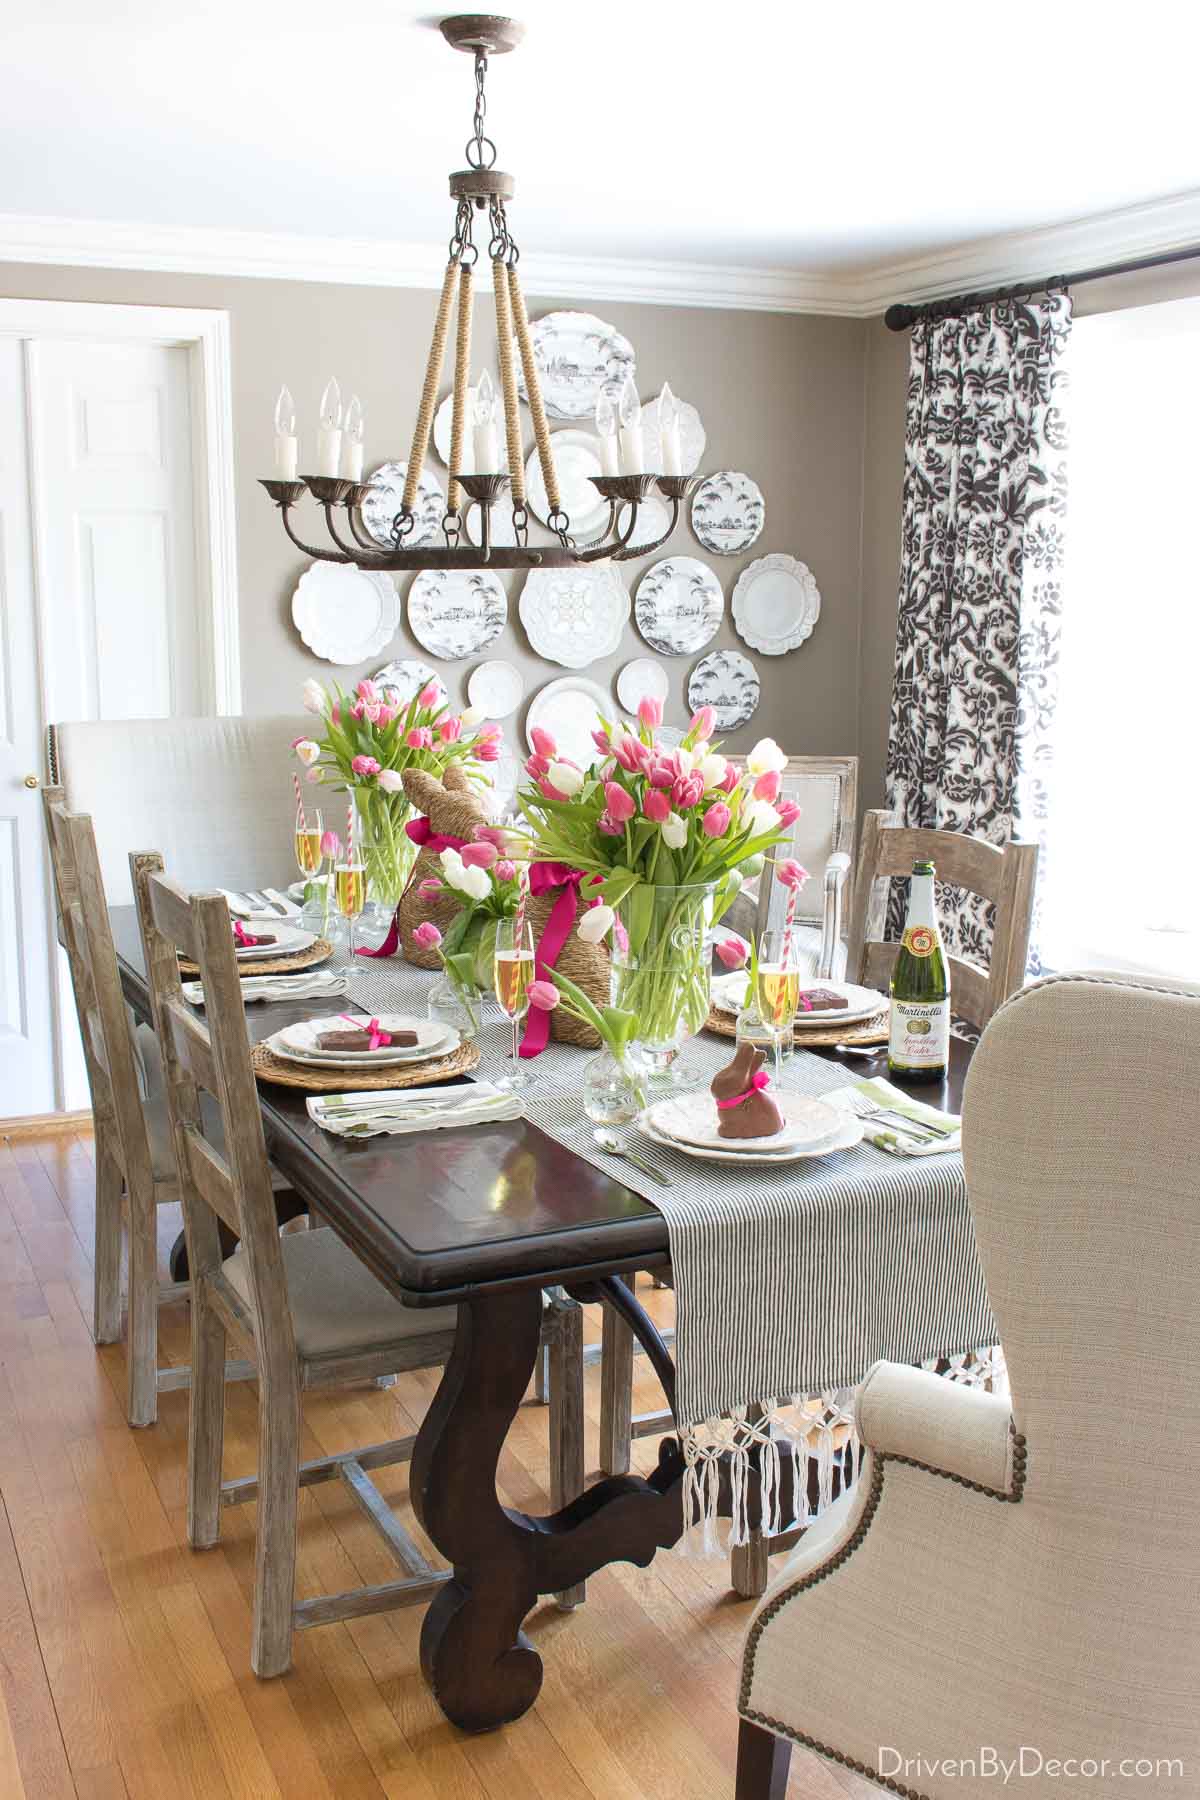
point(441, 1215)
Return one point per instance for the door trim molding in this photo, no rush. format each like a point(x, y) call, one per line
point(204, 334)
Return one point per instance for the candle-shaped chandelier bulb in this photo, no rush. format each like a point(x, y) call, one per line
point(287, 455)
point(329, 437)
point(352, 440)
point(668, 432)
point(633, 454)
point(486, 442)
point(606, 429)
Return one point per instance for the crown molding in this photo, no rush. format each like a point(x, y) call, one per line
point(1145, 230)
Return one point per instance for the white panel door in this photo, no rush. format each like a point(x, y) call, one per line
point(26, 1003)
point(114, 502)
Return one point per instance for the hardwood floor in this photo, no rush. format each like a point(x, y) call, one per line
point(124, 1656)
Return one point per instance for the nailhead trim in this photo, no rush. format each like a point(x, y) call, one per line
point(848, 1762)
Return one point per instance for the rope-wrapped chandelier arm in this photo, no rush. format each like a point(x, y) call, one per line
point(533, 392)
point(462, 383)
point(508, 381)
point(433, 376)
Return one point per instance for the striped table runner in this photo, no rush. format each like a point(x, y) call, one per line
point(789, 1282)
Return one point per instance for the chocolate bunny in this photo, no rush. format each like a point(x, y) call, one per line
point(744, 1109)
point(454, 807)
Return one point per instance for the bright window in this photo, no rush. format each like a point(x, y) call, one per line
point(1122, 883)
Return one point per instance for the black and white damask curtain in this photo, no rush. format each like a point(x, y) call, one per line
point(969, 746)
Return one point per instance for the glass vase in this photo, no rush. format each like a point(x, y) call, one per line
point(454, 1004)
point(661, 968)
point(612, 1090)
point(387, 850)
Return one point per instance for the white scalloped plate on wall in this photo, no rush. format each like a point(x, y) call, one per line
point(775, 604)
point(345, 614)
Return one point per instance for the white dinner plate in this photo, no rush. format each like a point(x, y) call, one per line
point(574, 616)
point(849, 1135)
point(693, 1119)
point(295, 890)
point(775, 604)
point(495, 688)
point(298, 1042)
point(576, 456)
point(345, 614)
point(289, 941)
point(570, 710)
point(729, 994)
point(642, 679)
point(692, 435)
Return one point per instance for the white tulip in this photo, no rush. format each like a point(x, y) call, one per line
point(761, 815)
point(391, 781)
point(308, 752)
point(595, 924)
point(476, 883)
point(454, 869)
point(471, 717)
point(713, 768)
point(567, 780)
point(313, 697)
point(766, 755)
point(675, 831)
point(687, 760)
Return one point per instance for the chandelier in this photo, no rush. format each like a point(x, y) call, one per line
point(339, 489)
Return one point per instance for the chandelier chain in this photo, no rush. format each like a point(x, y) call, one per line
point(480, 150)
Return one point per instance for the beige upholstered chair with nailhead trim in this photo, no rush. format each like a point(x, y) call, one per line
point(994, 1582)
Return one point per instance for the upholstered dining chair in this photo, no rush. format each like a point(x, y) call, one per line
point(310, 1313)
point(135, 1161)
point(1027, 1577)
point(1005, 876)
point(210, 794)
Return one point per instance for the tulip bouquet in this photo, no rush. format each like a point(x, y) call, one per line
point(364, 744)
point(487, 885)
point(665, 837)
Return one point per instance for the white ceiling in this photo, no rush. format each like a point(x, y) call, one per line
point(828, 140)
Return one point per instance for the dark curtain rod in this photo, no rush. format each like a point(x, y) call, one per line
point(900, 317)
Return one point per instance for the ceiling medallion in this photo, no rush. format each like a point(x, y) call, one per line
point(623, 484)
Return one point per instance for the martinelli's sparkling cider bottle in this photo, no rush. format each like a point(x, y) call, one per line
point(919, 1044)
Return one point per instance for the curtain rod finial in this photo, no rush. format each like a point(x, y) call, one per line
point(900, 317)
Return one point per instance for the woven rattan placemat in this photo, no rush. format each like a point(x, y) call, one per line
point(269, 1067)
point(807, 1037)
point(316, 953)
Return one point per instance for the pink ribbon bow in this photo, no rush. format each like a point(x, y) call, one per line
point(544, 877)
point(421, 833)
point(380, 1038)
point(757, 1084)
point(242, 937)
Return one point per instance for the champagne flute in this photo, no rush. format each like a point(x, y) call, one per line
point(778, 989)
point(512, 972)
point(350, 895)
point(309, 831)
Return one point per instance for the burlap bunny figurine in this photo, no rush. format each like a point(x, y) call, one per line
point(454, 807)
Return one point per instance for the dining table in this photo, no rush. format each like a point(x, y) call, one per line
point(486, 1218)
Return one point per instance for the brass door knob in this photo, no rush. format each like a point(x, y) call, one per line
point(31, 781)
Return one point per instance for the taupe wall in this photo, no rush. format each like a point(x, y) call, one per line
point(886, 355)
point(782, 398)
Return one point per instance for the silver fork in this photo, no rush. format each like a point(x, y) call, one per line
point(262, 904)
point(923, 1129)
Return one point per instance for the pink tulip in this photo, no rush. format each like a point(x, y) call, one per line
point(601, 741)
point(703, 724)
point(661, 774)
point(419, 737)
point(767, 786)
point(650, 711)
point(544, 995)
point(505, 870)
point(620, 805)
point(386, 715)
point(733, 953)
point(490, 734)
point(791, 873)
point(335, 714)
point(716, 820)
point(607, 826)
point(788, 812)
point(626, 752)
point(371, 711)
point(366, 690)
point(492, 834)
point(428, 696)
point(548, 790)
point(450, 730)
point(331, 844)
point(537, 766)
point(313, 774)
point(429, 889)
point(391, 781)
point(479, 856)
point(729, 780)
point(427, 935)
point(365, 765)
point(488, 750)
point(543, 743)
point(656, 805)
point(688, 791)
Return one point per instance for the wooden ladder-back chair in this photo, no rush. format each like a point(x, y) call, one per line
point(135, 1165)
point(1004, 876)
point(312, 1314)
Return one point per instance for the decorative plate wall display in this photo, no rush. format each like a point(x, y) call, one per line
point(383, 503)
point(456, 612)
point(406, 678)
point(344, 613)
point(574, 616)
point(576, 458)
point(728, 682)
point(679, 605)
point(776, 603)
point(653, 521)
point(692, 436)
point(642, 679)
point(443, 427)
point(570, 710)
point(579, 357)
point(496, 689)
point(728, 512)
point(502, 531)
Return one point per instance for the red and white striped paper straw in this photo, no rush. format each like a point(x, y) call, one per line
point(300, 819)
point(350, 832)
point(519, 915)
